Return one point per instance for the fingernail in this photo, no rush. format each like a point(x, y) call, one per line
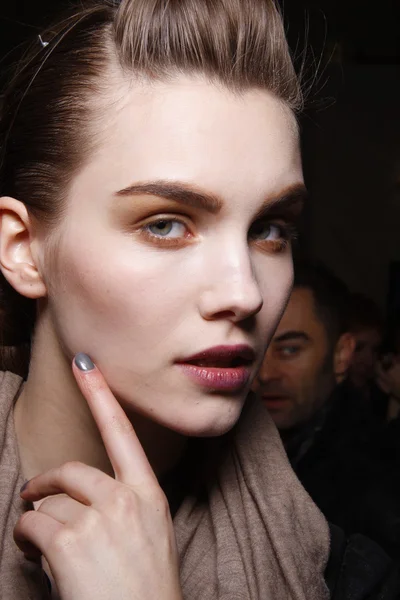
point(84, 362)
point(23, 487)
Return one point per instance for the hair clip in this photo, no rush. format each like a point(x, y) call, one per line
point(43, 44)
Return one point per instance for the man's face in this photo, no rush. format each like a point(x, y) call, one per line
point(297, 375)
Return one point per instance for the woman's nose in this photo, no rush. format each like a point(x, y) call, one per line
point(232, 291)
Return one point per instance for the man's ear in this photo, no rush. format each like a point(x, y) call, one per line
point(17, 261)
point(344, 351)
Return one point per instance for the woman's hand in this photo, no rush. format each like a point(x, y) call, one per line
point(104, 538)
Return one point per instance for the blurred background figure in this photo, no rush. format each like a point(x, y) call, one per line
point(340, 445)
point(388, 368)
point(324, 425)
point(379, 512)
point(366, 323)
point(310, 352)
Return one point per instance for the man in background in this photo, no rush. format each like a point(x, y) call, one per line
point(366, 323)
point(322, 423)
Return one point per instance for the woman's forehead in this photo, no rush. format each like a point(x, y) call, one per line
point(195, 131)
point(188, 108)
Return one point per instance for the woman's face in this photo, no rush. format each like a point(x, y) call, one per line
point(174, 243)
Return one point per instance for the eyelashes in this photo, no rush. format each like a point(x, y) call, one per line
point(167, 232)
point(172, 232)
point(280, 234)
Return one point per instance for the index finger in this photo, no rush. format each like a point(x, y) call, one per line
point(126, 454)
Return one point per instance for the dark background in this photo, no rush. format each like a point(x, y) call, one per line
point(351, 139)
point(350, 130)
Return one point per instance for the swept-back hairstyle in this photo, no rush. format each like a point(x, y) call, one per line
point(48, 109)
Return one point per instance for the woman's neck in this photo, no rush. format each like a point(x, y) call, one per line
point(54, 425)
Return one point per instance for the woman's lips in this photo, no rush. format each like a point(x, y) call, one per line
point(231, 379)
point(225, 368)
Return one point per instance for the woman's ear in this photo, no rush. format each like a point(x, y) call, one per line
point(17, 261)
point(343, 355)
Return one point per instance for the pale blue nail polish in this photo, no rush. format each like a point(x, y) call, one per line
point(24, 486)
point(84, 362)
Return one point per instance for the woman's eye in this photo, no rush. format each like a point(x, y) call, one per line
point(166, 228)
point(272, 237)
point(267, 231)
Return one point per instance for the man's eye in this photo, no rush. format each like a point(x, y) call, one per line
point(166, 228)
point(289, 351)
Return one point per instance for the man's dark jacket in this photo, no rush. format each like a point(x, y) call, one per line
point(358, 569)
point(335, 458)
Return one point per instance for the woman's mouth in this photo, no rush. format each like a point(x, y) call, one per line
point(222, 368)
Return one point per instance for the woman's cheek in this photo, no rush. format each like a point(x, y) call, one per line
point(116, 296)
point(275, 278)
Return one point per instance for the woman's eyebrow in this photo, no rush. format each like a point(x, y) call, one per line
point(291, 198)
point(177, 191)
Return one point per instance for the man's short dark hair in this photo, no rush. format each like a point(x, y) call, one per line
point(330, 296)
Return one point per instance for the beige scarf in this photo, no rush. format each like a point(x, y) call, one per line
point(257, 537)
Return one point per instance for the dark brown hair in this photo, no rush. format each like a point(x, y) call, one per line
point(330, 295)
point(50, 103)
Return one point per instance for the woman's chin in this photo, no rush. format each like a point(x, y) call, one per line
point(210, 423)
point(202, 416)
